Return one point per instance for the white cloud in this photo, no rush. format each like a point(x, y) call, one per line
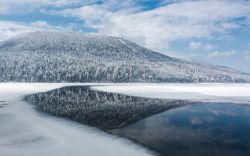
point(156, 28)
point(3, 9)
point(25, 6)
point(222, 54)
point(200, 46)
point(208, 46)
point(40, 24)
point(9, 29)
point(246, 55)
point(195, 45)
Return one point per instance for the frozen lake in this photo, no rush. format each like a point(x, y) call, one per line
point(24, 131)
point(166, 118)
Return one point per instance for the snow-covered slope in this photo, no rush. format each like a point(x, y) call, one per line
point(74, 57)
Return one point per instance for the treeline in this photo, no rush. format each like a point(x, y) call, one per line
point(39, 66)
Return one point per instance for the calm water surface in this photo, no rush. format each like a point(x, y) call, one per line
point(196, 130)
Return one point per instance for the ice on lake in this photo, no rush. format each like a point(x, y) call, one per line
point(25, 132)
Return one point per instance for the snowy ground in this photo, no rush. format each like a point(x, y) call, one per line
point(237, 93)
point(25, 132)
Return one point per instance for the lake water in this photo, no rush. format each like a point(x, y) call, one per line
point(201, 129)
point(168, 127)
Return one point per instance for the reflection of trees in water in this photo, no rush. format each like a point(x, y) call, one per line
point(100, 109)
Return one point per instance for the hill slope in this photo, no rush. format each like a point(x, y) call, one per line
point(74, 57)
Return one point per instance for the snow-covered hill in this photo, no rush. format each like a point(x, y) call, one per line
point(75, 57)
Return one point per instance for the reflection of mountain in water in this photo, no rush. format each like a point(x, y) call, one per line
point(100, 109)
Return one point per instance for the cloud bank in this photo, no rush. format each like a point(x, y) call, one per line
point(156, 28)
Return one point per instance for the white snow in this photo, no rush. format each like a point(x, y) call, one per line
point(26, 132)
point(239, 93)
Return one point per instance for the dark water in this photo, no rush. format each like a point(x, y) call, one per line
point(169, 127)
point(212, 129)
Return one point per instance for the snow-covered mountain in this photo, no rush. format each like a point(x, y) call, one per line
point(75, 57)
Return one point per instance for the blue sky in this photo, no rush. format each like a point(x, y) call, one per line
point(214, 31)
